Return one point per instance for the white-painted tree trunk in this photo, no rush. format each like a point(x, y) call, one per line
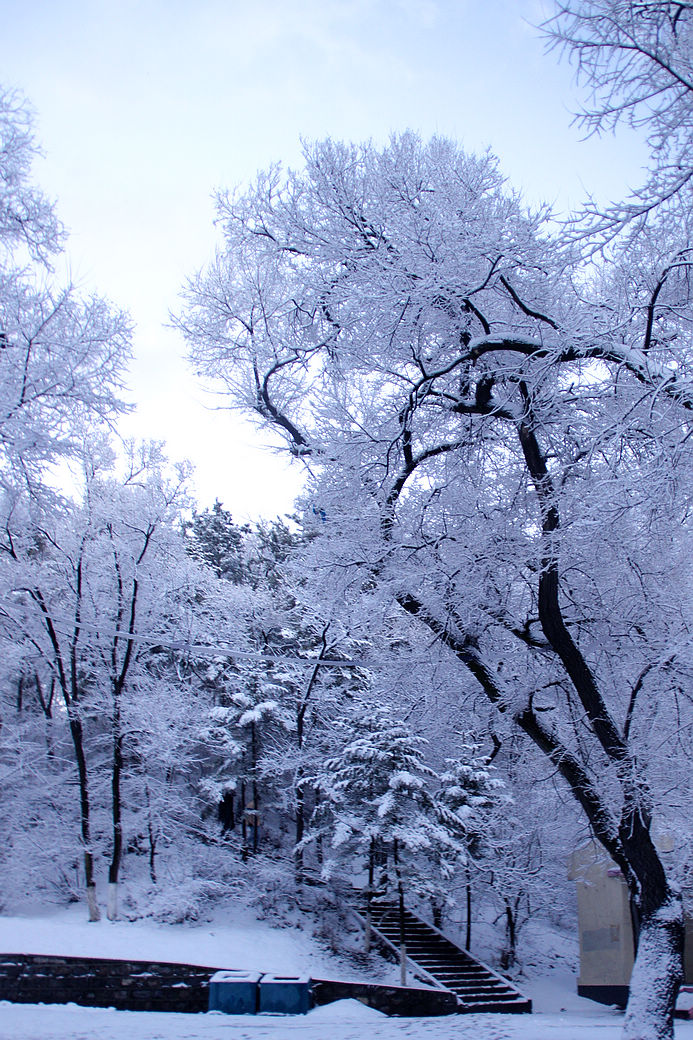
point(657, 975)
point(403, 965)
point(112, 907)
point(93, 906)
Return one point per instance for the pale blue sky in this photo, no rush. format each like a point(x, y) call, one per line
point(144, 107)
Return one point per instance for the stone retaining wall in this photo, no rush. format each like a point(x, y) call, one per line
point(98, 982)
point(161, 986)
point(407, 1001)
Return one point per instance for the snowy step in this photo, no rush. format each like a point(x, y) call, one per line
point(448, 964)
point(495, 1005)
point(481, 991)
point(475, 986)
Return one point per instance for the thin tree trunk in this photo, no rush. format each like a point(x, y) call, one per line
point(119, 673)
point(117, 850)
point(468, 895)
point(300, 823)
point(509, 954)
point(300, 793)
point(402, 939)
point(256, 818)
point(47, 709)
point(244, 822)
point(85, 821)
point(369, 898)
point(402, 921)
point(254, 808)
point(319, 851)
point(151, 835)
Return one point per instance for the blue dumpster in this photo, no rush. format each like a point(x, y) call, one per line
point(234, 992)
point(284, 994)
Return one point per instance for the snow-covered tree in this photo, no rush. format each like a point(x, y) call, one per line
point(377, 805)
point(62, 361)
point(499, 440)
point(62, 358)
point(273, 708)
point(217, 541)
point(636, 58)
point(468, 802)
point(105, 601)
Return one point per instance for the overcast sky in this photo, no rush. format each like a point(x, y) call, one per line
point(145, 107)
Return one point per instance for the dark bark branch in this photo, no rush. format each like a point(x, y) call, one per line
point(414, 463)
point(303, 703)
point(550, 613)
point(523, 306)
point(298, 444)
point(578, 780)
point(651, 307)
point(479, 316)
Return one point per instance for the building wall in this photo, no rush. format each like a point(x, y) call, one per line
point(606, 931)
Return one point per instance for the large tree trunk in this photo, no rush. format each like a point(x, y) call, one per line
point(658, 969)
point(657, 974)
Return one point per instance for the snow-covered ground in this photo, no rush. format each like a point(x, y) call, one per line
point(236, 940)
point(344, 1020)
point(246, 943)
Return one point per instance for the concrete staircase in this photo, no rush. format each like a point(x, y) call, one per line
point(477, 987)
